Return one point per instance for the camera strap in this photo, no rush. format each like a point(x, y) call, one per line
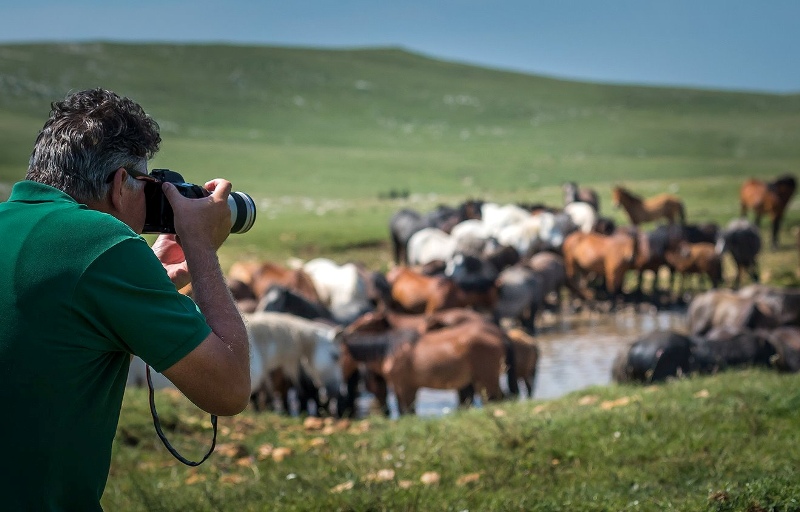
point(157, 424)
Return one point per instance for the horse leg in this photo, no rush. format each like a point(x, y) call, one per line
point(406, 395)
point(490, 387)
point(346, 403)
point(466, 395)
point(776, 225)
point(528, 319)
point(511, 367)
point(376, 385)
point(739, 271)
point(259, 397)
point(754, 273)
point(398, 250)
point(615, 275)
point(308, 391)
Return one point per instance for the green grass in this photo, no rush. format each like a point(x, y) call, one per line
point(714, 443)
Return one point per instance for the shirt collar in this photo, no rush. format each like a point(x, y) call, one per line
point(28, 191)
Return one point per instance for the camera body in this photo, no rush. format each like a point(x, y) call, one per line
point(160, 217)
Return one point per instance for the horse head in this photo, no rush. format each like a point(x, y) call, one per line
point(616, 196)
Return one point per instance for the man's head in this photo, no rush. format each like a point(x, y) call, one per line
point(89, 135)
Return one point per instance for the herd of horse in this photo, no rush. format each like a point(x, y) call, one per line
point(458, 308)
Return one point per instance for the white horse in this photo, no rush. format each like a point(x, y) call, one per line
point(295, 347)
point(341, 288)
point(495, 217)
point(428, 245)
point(471, 237)
point(582, 214)
point(522, 236)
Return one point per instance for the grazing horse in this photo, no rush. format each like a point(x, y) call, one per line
point(289, 346)
point(640, 210)
point(468, 356)
point(608, 256)
point(767, 199)
point(575, 194)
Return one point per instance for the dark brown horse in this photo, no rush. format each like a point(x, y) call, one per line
point(767, 198)
point(639, 210)
point(467, 356)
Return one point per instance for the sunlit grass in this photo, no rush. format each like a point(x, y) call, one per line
point(715, 443)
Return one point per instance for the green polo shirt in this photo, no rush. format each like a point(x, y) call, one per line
point(80, 293)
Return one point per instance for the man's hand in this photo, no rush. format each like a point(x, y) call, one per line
point(203, 223)
point(169, 251)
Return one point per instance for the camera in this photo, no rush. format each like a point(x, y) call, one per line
point(160, 218)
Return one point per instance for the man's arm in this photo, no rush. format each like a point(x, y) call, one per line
point(216, 374)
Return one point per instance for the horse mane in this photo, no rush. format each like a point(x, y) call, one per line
point(625, 192)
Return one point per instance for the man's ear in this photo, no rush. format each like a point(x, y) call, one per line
point(117, 186)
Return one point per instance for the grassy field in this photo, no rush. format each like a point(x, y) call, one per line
point(318, 137)
point(321, 139)
point(722, 443)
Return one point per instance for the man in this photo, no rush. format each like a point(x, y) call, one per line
point(82, 291)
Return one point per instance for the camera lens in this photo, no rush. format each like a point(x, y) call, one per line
point(243, 212)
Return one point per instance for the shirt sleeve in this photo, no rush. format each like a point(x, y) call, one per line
point(134, 305)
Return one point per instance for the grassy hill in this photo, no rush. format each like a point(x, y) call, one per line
point(317, 136)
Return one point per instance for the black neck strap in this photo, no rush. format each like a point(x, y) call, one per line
point(157, 424)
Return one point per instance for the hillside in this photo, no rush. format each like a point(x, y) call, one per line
point(318, 136)
point(389, 111)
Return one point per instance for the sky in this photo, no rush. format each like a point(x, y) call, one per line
point(746, 45)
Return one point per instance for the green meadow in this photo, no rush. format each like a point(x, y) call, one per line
point(321, 138)
point(330, 143)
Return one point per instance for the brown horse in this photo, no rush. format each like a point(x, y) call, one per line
point(607, 256)
point(640, 210)
point(467, 356)
point(260, 276)
point(700, 259)
point(767, 199)
point(414, 292)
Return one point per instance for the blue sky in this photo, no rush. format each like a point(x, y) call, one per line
point(720, 44)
